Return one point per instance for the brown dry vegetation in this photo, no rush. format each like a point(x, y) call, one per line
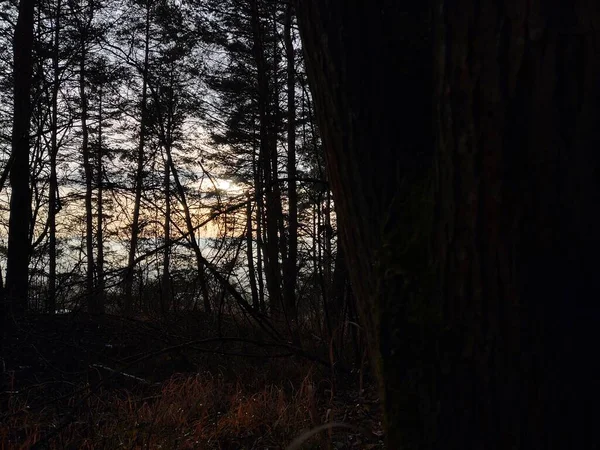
point(200, 398)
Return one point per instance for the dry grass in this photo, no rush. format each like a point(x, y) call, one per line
point(186, 412)
point(63, 390)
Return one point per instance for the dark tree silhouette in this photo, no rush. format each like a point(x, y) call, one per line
point(290, 271)
point(516, 240)
point(139, 172)
point(53, 205)
point(20, 203)
point(484, 344)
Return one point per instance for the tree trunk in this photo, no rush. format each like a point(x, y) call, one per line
point(250, 255)
point(274, 125)
point(191, 235)
point(166, 128)
point(100, 219)
point(15, 299)
point(259, 231)
point(336, 294)
point(165, 291)
point(88, 173)
point(327, 235)
point(272, 270)
point(496, 356)
point(139, 174)
point(290, 263)
point(53, 184)
point(517, 242)
point(368, 66)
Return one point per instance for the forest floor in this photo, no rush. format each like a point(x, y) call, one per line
point(76, 382)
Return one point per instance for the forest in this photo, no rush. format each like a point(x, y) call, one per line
point(288, 224)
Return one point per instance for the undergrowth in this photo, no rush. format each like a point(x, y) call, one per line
point(61, 391)
point(200, 411)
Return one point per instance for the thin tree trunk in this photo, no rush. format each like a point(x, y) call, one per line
point(336, 288)
point(250, 255)
point(166, 277)
point(100, 218)
point(191, 235)
point(166, 137)
point(327, 234)
point(290, 274)
point(53, 185)
point(274, 127)
point(314, 242)
point(88, 173)
point(259, 231)
point(139, 174)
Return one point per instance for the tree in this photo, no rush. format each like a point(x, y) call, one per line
point(516, 238)
point(165, 291)
point(20, 202)
point(290, 272)
point(173, 103)
point(139, 174)
point(268, 155)
point(53, 206)
point(101, 76)
point(373, 115)
point(84, 28)
point(471, 338)
point(87, 32)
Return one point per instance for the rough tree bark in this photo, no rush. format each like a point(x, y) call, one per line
point(369, 69)
point(517, 88)
point(485, 343)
